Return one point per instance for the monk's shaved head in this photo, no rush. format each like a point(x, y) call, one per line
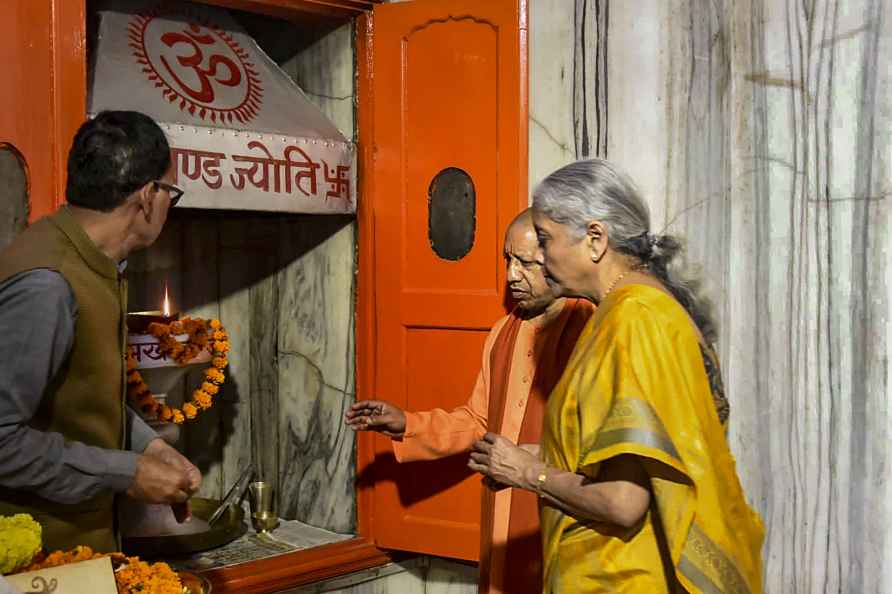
point(521, 223)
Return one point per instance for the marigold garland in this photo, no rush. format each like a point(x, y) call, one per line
point(203, 335)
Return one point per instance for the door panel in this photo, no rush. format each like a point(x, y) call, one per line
point(447, 88)
point(451, 119)
point(43, 98)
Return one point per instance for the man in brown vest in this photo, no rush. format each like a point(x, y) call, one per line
point(68, 442)
point(523, 358)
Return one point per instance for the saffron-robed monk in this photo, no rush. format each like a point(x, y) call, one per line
point(523, 357)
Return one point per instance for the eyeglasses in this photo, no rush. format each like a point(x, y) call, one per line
point(175, 192)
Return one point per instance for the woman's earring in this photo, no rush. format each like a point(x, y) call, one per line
point(595, 257)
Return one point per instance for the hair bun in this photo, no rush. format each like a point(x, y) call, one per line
point(663, 249)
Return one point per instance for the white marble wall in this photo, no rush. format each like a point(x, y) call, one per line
point(316, 321)
point(760, 131)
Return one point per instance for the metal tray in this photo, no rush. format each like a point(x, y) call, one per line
point(229, 527)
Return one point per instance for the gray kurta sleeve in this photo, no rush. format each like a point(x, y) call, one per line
point(140, 432)
point(37, 320)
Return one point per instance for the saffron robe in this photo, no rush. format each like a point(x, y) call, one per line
point(521, 364)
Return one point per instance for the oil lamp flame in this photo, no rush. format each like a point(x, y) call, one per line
point(166, 308)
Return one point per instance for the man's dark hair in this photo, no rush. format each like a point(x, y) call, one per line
point(112, 156)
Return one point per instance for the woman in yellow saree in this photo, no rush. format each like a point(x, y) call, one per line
point(639, 492)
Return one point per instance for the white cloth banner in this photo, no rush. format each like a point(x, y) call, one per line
point(229, 169)
point(243, 135)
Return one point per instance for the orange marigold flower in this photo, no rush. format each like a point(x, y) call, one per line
point(221, 346)
point(177, 328)
point(134, 576)
point(202, 399)
point(131, 363)
point(178, 417)
point(166, 413)
point(215, 324)
point(187, 354)
point(219, 335)
point(134, 377)
point(209, 388)
point(135, 390)
point(189, 410)
point(220, 362)
point(215, 375)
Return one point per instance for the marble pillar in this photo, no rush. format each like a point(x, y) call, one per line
point(316, 350)
point(809, 217)
point(760, 132)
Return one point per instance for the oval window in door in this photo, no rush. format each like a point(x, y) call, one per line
point(452, 214)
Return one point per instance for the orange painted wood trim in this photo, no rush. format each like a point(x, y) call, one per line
point(523, 151)
point(365, 308)
point(44, 100)
point(69, 84)
point(290, 570)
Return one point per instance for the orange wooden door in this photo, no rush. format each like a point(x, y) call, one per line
point(447, 87)
point(44, 90)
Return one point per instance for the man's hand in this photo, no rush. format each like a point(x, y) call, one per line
point(376, 415)
point(156, 481)
point(504, 463)
point(161, 449)
point(158, 451)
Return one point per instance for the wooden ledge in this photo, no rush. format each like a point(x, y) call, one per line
point(298, 568)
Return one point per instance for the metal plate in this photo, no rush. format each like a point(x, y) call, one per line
point(228, 528)
point(194, 583)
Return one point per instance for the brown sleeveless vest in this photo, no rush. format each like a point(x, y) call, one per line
point(85, 401)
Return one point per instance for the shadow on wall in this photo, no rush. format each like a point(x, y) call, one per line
point(205, 256)
point(413, 487)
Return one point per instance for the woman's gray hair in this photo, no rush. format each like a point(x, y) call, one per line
point(591, 190)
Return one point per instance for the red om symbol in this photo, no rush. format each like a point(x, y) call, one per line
point(192, 37)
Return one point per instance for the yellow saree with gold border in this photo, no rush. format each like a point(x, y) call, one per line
point(636, 384)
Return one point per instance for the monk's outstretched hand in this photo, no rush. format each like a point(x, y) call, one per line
point(502, 462)
point(376, 415)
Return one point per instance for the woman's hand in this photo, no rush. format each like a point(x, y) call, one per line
point(502, 462)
